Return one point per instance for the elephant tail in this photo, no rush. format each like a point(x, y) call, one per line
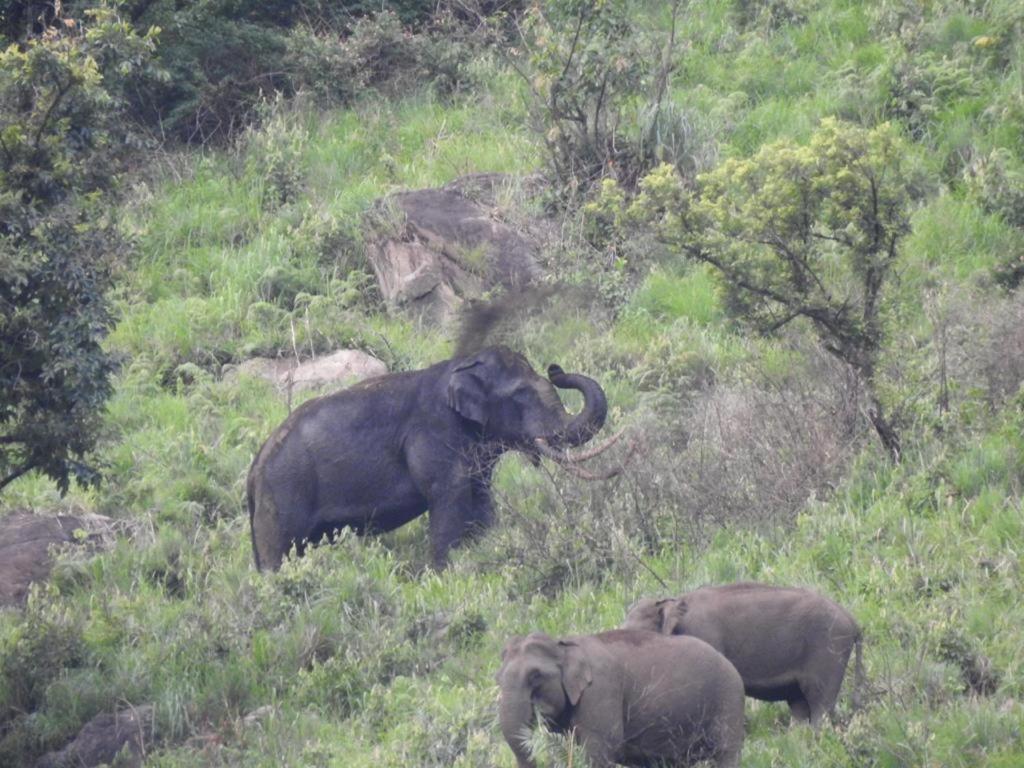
point(859, 679)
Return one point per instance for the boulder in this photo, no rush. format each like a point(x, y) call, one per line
point(107, 736)
point(438, 247)
point(25, 547)
point(341, 368)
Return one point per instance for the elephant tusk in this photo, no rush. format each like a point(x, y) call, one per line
point(565, 456)
point(570, 463)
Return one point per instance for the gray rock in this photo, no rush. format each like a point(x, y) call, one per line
point(332, 371)
point(107, 736)
point(258, 715)
point(25, 547)
point(442, 246)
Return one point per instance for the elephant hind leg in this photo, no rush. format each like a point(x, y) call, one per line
point(832, 682)
point(728, 742)
point(268, 556)
point(270, 541)
point(821, 698)
point(799, 709)
point(266, 540)
point(822, 690)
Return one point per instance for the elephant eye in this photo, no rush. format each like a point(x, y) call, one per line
point(521, 396)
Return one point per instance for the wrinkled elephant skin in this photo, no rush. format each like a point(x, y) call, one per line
point(631, 698)
point(377, 455)
point(788, 644)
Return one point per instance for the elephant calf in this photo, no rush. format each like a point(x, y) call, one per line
point(788, 644)
point(632, 698)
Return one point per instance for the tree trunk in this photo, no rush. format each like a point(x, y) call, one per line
point(862, 362)
point(886, 432)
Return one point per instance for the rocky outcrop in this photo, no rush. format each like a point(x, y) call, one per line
point(342, 368)
point(26, 542)
point(433, 248)
point(107, 736)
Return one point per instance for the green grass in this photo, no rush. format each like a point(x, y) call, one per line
point(670, 297)
point(359, 654)
point(366, 660)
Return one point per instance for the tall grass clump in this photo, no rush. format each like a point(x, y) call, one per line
point(748, 451)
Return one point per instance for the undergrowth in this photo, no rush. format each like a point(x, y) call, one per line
point(753, 460)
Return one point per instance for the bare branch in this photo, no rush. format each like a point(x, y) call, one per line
point(28, 466)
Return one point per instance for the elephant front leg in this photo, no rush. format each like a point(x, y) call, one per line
point(480, 513)
point(800, 710)
point(599, 747)
point(447, 529)
point(451, 507)
point(440, 475)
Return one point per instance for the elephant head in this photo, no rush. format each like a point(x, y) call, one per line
point(664, 616)
point(510, 404)
point(538, 674)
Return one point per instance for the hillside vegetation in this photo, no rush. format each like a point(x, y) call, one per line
point(758, 456)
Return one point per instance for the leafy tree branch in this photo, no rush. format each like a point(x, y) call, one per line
point(808, 232)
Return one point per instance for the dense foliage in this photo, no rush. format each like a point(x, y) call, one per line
point(216, 61)
point(60, 148)
point(800, 232)
point(756, 453)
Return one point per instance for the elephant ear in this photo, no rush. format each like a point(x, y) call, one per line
point(466, 394)
point(672, 612)
point(576, 674)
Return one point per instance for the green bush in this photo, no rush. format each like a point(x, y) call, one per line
point(583, 67)
point(216, 61)
point(379, 52)
point(61, 149)
point(810, 233)
point(45, 649)
point(926, 84)
point(997, 182)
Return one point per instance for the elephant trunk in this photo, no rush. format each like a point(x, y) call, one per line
point(516, 718)
point(587, 422)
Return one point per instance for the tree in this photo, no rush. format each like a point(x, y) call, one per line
point(800, 232)
point(61, 142)
point(582, 65)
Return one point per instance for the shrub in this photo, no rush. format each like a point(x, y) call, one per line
point(273, 155)
point(997, 182)
point(380, 52)
point(977, 353)
point(750, 453)
point(925, 84)
point(62, 147)
point(46, 642)
point(582, 64)
point(808, 233)
point(757, 451)
point(44, 647)
point(669, 133)
point(770, 14)
point(219, 59)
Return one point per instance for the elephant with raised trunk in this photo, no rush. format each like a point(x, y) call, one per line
point(788, 643)
point(377, 455)
point(631, 698)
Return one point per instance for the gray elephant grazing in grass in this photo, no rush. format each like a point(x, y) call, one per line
point(631, 698)
point(377, 455)
point(788, 644)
